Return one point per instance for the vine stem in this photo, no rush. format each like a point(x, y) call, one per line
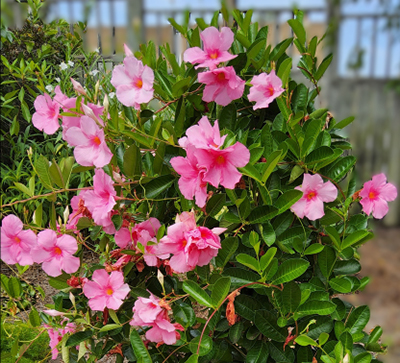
point(232, 293)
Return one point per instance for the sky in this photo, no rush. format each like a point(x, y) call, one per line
point(387, 58)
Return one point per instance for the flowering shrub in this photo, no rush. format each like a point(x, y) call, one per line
point(218, 206)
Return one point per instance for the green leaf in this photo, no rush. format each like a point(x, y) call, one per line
point(132, 162)
point(349, 267)
point(284, 71)
point(342, 124)
point(353, 238)
point(317, 307)
point(195, 291)
point(375, 335)
point(246, 306)
point(23, 189)
point(267, 233)
point(184, 314)
point(220, 290)
point(266, 323)
point(267, 258)
point(270, 164)
point(358, 319)
point(283, 108)
point(323, 67)
point(313, 249)
point(194, 358)
point(109, 327)
point(215, 204)
point(227, 117)
point(295, 173)
point(251, 171)
point(180, 116)
point(341, 167)
point(334, 236)
point(326, 260)
point(14, 287)
point(25, 111)
point(34, 318)
point(228, 248)
point(139, 348)
point(240, 277)
point(235, 332)
point(258, 353)
point(291, 296)
point(178, 27)
point(158, 185)
point(318, 155)
point(347, 341)
point(205, 345)
point(56, 174)
point(77, 338)
point(298, 29)
point(42, 170)
point(262, 214)
point(341, 284)
point(312, 132)
point(287, 199)
point(305, 340)
point(290, 269)
point(248, 261)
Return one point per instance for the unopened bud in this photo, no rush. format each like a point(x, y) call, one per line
point(78, 87)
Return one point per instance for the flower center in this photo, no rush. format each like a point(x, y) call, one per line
point(17, 239)
point(311, 195)
point(184, 243)
point(96, 140)
point(270, 91)
point(57, 250)
point(109, 291)
point(220, 160)
point(372, 195)
point(221, 76)
point(214, 55)
point(139, 83)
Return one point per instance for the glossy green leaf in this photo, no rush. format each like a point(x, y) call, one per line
point(139, 348)
point(266, 322)
point(358, 319)
point(205, 345)
point(298, 29)
point(353, 238)
point(290, 269)
point(42, 170)
point(77, 338)
point(240, 277)
point(326, 260)
point(342, 124)
point(184, 314)
point(287, 199)
point(291, 296)
point(195, 291)
point(215, 204)
point(34, 318)
point(270, 164)
point(318, 155)
point(317, 307)
point(267, 233)
point(305, 340)
point(313, 249)
point(248, 261)
point(266, 258)
point(323, 67)
point(262, 214)
point(220, 290)
point(258, 353)
point(15, 287)
point(158, 185)
point(132, 162)
point(228, 248)
point(341, 284)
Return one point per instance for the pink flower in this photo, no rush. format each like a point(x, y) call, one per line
point(133, 82)
point(101, 200)
point(106, 291)
point(78, 87)
point(375, 195)
point(56, 254)
point(46, 116)
point(266, 87)
point(203, 135)
point(221, 164)
point(216, 46)
point(190, 245)
point(78, 209)
point(56, 335)
point(191, 183)
point(222, 85)
point(163, 331)
point(315, 193)
point(128, 52)
point(146, 310)
point(153, 312)
point(90, 145)
point(16, 244)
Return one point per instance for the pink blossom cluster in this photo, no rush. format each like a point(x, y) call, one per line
point(153, 312)
point(222, 84)
point(55, 253)
point(84, 132)
point(206, 161)
point(56, 334)
point(189, 244)
point(142, 238)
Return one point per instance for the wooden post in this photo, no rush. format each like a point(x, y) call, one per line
point(135, 26)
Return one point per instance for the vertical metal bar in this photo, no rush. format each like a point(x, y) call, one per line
point(158, 29)
point(358, 41)
point(71, 15)
point(277, 27)
point(389, 52)
point(98, 25)
point(112, 18)
point(373, 46)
